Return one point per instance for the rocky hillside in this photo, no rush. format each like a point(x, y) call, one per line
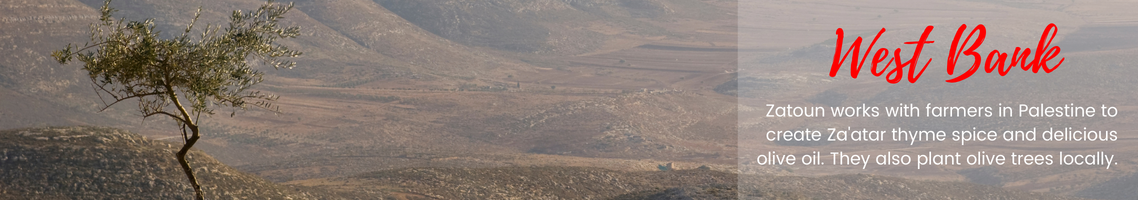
point(530, 182)
point(595, 183)
point(105, 163)
point(859, 186)
point(395, 84)
point(545, 26)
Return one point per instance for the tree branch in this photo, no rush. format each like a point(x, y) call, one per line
point(179, 119)
point(117, 99)
point(185, 137)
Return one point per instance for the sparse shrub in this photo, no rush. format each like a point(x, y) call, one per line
point(186, 76)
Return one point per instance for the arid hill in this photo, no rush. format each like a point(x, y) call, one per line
point(107, 163)
point(461, 91)
point(397, 84)
point(94, 162)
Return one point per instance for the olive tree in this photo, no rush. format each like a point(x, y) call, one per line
point(185, 76)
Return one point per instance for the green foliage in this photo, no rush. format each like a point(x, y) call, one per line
point(127, 59)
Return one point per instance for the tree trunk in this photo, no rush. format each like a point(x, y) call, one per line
point(186, 165)
point(198, 194)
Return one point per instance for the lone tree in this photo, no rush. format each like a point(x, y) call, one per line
point(188, 75)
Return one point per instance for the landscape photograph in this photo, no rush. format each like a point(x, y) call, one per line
point(535, 99)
